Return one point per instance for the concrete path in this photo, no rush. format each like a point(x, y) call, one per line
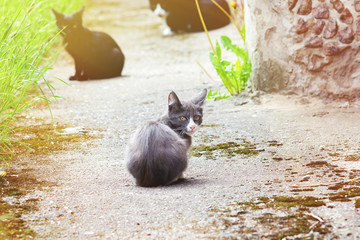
point(226, 194)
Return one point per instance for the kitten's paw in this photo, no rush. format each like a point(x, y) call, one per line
point(83, 78)
point(73, 78)
point(181, 176)
point(168, 32)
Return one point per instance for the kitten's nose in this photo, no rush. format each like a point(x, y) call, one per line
point(192, 128)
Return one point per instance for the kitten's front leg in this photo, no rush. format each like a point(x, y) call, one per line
point(83, 77)
point(180, 177)
point(78, 70)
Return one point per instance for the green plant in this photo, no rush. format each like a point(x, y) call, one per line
point(216, 95)
point(234, 75)
point(27, 36)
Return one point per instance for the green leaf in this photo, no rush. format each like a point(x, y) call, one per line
point(240, 52)
point(216, 95)
point(218, 50)
point(243, 32)
point(212, 58)
point(229, 68)
point(225, 64)
point(226, 41)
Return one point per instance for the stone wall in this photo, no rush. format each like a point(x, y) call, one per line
point(310, 47)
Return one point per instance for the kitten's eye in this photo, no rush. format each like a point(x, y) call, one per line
point(196, 118)
point(182, 118)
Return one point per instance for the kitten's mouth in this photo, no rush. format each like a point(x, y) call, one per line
point(191, 132)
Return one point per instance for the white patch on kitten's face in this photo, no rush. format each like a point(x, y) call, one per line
point(191, 127)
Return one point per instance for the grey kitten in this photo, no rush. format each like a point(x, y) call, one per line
point(157, 153)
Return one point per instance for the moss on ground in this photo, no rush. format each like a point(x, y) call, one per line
point(317, 164)
point(302, 190)
point(298, 225)
point(280, 217)
point(345, 195)
point(274, 217)
point(285, 201)
point(11, 224)
point(357, 203)
point(228, 149)
point(42, 140)
point(15, 185)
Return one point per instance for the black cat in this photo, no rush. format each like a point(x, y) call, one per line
point(182, 15)
point(96, 54)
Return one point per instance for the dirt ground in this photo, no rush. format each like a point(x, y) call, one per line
point(247, 157)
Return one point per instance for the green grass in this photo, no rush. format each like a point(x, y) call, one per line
point(28, 34)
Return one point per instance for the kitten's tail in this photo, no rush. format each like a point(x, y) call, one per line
point(156, 155)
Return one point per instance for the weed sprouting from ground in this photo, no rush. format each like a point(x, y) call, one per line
point(235, 76)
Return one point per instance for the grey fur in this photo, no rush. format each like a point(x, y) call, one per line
point(157, 153)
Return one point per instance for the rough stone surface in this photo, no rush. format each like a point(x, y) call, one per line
point(315, 62)
point(331, 29)
point(292, 4)
point(346, 35)
point(301, 26)
point(321, 11)
point(319, 26)
point(305, 7)
point(357, 5)
point(357, 27)
point(346, 17)
point(338, 6)
point(331, 48)
point(314, 42)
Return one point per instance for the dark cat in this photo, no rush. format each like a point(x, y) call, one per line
point(182, 15)
point(96, 54)
point(157, 153)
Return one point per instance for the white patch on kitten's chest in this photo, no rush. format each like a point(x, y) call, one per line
point(159, 11)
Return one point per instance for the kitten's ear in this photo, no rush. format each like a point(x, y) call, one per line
point(81, 11)
point(78, 16)
point(200, 98)
point(173, 101)
point(57, 14)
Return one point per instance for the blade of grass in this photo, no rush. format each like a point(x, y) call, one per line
point(204, 25)
point(28, 35)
